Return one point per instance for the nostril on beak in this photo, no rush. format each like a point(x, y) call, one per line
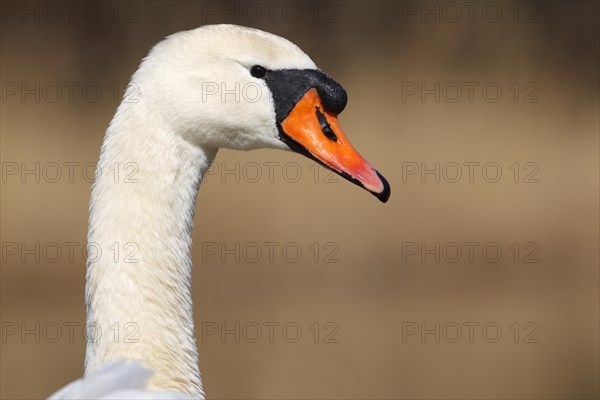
point(325, 128)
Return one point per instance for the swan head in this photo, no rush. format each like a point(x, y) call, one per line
point(226, 86)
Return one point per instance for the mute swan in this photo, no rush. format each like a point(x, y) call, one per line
point(171, 129)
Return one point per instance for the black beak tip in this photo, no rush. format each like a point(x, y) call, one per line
point(383, 196)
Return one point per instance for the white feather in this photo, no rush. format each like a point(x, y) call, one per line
point(120, 380)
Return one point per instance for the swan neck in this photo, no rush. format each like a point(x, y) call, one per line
point(138, 282)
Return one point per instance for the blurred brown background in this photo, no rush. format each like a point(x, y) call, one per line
point(533, 312)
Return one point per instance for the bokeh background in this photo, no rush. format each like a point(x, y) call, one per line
point(544, 298)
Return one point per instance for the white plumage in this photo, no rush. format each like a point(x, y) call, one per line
point(170, 130)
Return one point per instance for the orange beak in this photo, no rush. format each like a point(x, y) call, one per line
point(316, 133)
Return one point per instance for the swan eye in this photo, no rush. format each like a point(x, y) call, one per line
point(258, 72)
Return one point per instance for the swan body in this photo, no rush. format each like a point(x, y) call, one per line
point(170, 129)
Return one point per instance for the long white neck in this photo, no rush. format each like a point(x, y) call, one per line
point(138, 290)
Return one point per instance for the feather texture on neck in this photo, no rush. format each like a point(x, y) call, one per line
point(141, 217)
